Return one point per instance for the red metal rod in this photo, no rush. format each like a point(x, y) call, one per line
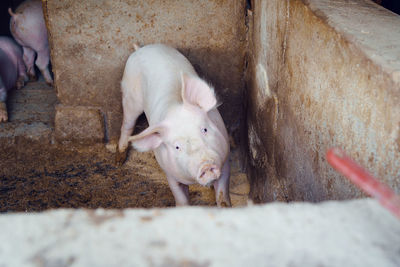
point(364, 180)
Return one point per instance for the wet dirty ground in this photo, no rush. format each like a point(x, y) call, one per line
point(89, 178)
point(37, 174)
point(75, 179)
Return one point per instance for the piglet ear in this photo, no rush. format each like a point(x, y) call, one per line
point(147, 140)
point(196, 92)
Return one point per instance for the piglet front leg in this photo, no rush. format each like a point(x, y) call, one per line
point(180, 191)
point(221, 187)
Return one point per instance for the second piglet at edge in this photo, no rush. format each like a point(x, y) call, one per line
point(29, 30)
point(186, 131)
point(12, 71)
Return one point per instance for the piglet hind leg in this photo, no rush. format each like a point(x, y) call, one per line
point(21, 81)
point(29, 59)
point(42, 62)
point(3, 112)
point(128, 124)
point(3, 106)
point(131, 112)
point(22, 76)
point(221, 187)
point(180, 192)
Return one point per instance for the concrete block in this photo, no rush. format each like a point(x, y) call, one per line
point(31, 117)
point(83, 125)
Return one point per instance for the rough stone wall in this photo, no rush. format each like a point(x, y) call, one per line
point(91, 41)
point(322, 73)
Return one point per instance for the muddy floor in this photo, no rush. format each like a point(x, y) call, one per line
point(89, 178)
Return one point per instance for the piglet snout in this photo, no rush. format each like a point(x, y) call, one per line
point(208, 174)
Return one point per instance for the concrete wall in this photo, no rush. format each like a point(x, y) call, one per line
point(321, 74)
point(354, 233)
point(91, 41)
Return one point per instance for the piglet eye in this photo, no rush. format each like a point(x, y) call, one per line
point(204, 130)
point(177, 146)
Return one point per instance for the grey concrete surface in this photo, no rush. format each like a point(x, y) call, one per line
point(353, 233)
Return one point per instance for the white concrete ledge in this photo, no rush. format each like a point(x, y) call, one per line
point(353, 233)
point(374, 29)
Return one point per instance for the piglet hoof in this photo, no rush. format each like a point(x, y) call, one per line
point(32, 77)
point(120, 157)
point(181, 204)
point(20, 83)
point(223, 201)
point(3, 112)
point(50, 83)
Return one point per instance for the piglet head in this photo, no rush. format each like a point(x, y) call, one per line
point(190, 146)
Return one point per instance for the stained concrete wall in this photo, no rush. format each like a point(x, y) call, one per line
point(91, 41)
point(322, 73)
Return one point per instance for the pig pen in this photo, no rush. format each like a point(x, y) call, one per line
point(294, 78)
point(60, 153)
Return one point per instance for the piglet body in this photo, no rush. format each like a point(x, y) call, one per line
point(186, 131)
point(12, 71)
point(29, 30)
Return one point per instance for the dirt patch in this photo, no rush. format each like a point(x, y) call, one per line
point(72, 179)
point(64, 177)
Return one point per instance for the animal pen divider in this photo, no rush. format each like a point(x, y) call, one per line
point(294, 78)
